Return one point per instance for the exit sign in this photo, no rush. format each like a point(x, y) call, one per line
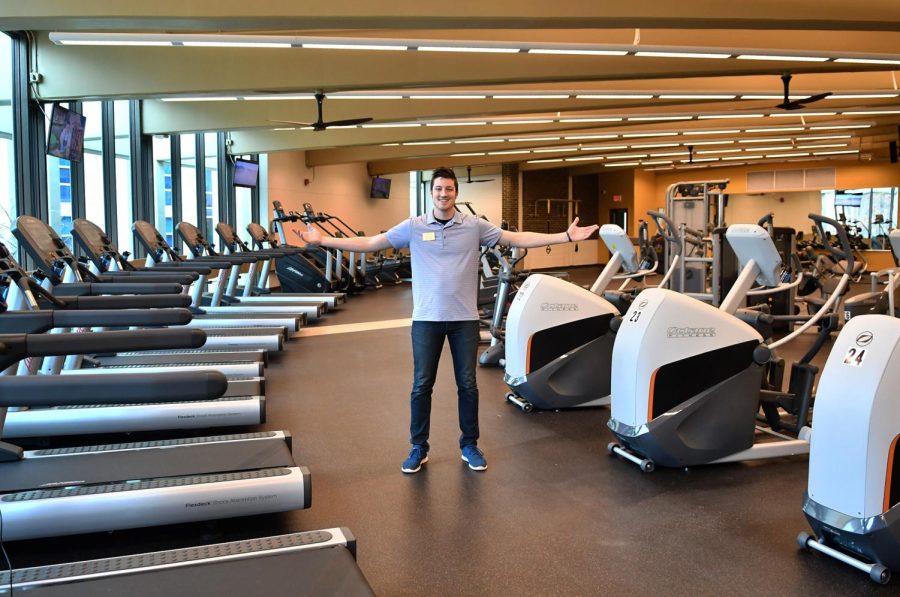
point(617, 198)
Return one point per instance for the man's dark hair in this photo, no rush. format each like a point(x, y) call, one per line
point(444, 173)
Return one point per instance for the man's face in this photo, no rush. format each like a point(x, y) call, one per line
point(443, 193)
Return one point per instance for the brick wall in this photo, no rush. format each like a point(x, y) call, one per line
point(510, 194)
point(537, 186)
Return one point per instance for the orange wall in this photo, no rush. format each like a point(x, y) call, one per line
point(341, 190)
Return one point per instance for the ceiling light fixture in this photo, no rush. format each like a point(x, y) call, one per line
point(682, 55)
point(695, 96)
point(577, 52)
point(722, 132)
point(649, 118)
point(446, 97)
point(481, 50)
point(544, 161)
point(622, 96)
point(866, 61)
point(531, 96)
point(637, 135)
point(719, 116)
point(786, 58)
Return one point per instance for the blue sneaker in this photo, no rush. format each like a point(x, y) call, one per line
point(474, 457)
point(413, 463)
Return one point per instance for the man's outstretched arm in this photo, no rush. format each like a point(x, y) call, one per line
point(364, 244)
point(528, 240)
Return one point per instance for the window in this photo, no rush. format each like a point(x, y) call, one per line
point(162, 192)
point(212, 185)
point(264, 207)
point(872, 219)
point(124, 209)
point(7, 155)
point(189, 179)
point(94, 207)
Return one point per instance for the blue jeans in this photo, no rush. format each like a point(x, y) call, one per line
point(427, 343)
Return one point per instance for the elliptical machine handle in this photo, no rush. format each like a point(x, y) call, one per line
point(847, 252)
point(669, 232)
point(767, 222)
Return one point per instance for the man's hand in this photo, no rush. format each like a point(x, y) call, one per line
point(577, 233)
point(310, 236)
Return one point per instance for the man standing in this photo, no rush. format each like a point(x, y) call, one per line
point(444, 248)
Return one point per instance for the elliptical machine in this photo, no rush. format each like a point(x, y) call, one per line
point(558, 337)
point(687, 377)
point(852, 500)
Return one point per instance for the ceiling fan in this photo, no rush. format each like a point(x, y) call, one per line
point(321, 124)
point(797, 104)
point(469, 180)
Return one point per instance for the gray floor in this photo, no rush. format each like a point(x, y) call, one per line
point(554, 514)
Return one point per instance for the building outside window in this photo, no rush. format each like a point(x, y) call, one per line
point(7, 155)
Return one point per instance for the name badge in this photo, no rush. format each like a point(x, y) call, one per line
point(428, 236)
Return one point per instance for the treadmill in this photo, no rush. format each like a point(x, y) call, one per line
point(200, 248)
point(256, 287)
point(311, 563)
point(65, 491)
point(161, 257)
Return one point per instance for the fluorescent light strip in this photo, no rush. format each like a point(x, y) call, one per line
point(822, 146)
point(578, 52)
point(465, 155)
point(622, 164)
point(364, 97)
point(235, 44)
point(481, 50)
point(682, 55)
point(801, 114)
point(604, 147)
point(428, 143)
point(199, 99)
point(715, 116)
point(776, 148)
point(786, 155)
point(585, 159)
point(704, 160)
point(872, 112)
point(659, 168)
point(647, 118)
point(866, 61)
point(766, 140)
point(628, 156)
point(708, 143)
point(741, 157)
point(576, 120)
point(782, 129)
point(101, 42)
point(585, 137)
point(545, 161)
point(391, 125)
point(613, 96)
point(553, 149)
point(722, 132)
point(636, 135)
point(468, 123)
point(836, 152)
point(532, 96)
point(695, 96)
point(390, 144)
point(480, 141)
point(531, 139)
point(718, 151)
point(789, 58)
point(509, 152)
point(650, 145)
point(285, 129)
point(655, 162)
point(286, 96)
point(843, 126)
point(771, 97)
point(446, 97)
point(536, 121)
point(824, 137)
point(385, 47)
point(668, 154)
point(861, 95)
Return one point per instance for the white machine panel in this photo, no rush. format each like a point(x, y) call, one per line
point(750, 241)
point(895, 242)
point(543, 302)
point(661, 327)
point(856, 417)
point(616, 240)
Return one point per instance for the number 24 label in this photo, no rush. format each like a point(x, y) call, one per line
point(855, 356)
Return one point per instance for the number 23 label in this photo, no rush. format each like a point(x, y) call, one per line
point(855, 357)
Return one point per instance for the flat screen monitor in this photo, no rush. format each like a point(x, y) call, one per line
point(66, 137)
point(381, 188)
point(847, 200)
point(246, 173)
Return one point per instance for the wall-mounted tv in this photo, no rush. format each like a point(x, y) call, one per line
point(847, 199)
point(246, 173)
point(66, 137)
point(381, 188)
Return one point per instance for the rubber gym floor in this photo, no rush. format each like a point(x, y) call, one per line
point(554, 514)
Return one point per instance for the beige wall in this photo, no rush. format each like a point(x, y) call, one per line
point(790, 209)
point(486, 197)
point(341, 190)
